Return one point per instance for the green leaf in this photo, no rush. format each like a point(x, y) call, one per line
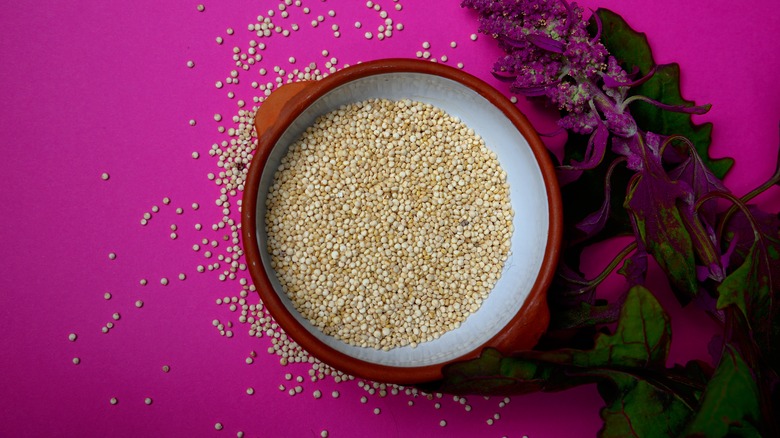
point(633, 51)
point(492, 374)
point(624, 43)
point(585, 314)
point(748, 286)
point(664, 86)
point(643, 397)
point(635, 408)
point(730, 405)
point(754, 286)
point(642, 337)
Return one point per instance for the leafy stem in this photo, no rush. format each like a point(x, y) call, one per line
point(738, 204)
point(773, 180)
point(590, 284)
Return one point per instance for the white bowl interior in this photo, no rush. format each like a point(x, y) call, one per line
point(527, 194)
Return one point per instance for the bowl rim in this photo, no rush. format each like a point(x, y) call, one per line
point(526, 326)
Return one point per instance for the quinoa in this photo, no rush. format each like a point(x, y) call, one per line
point(388, 223)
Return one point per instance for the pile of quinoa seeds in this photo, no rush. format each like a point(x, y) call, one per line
point(388, 223)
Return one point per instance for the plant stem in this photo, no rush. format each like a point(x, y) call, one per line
point(773, 180)
point(590, 284)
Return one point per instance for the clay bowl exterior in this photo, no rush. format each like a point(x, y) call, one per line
point(515, 314)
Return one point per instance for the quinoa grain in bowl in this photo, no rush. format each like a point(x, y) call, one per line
point(388, 223)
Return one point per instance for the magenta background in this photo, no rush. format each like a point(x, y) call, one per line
point(96, 86)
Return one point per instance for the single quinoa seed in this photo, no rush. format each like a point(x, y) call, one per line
point(405, 230)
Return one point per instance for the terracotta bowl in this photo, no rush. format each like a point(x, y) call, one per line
point(515, 314)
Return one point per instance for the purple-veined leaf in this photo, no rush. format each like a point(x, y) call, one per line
point(695, 173)
point(653, 202)
point(594, 153)
point(546, 43)
point(594, 222)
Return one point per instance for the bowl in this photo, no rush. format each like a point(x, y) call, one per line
point(515, 314)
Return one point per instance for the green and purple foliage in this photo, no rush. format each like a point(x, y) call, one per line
point(635, 164)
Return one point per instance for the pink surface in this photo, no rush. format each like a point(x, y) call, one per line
point(96, 86)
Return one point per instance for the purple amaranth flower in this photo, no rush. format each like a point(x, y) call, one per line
point(549, 53)
point(582, 123)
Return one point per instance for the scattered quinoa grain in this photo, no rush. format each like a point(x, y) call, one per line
point(166, 368)
point(113, 400)
point(107, 295)
point(139, 304)
point(148, 400)
point(72, 337)
point(473, 37)
point(201, 8)
point(105, 176)
point(112, 256)
point(218, 426)
point(76, 361)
